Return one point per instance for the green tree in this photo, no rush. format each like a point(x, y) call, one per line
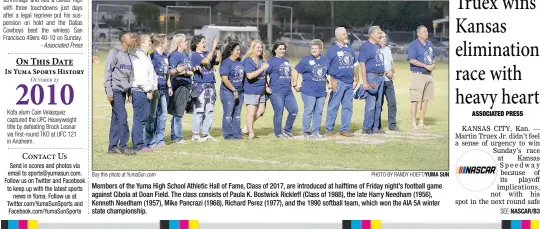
point(147, 15)
point(394, 15)
point(443, 7)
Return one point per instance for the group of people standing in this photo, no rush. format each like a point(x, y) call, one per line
point(160, 81)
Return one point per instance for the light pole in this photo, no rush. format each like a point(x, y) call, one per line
point(332, 14)
point(269, 29)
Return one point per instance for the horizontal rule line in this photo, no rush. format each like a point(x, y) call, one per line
point(46, 148)
point(46, 53)
point(44, 65)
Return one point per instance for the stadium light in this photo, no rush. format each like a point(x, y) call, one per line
point(113, 5)
point(286, 7)
point(191, 7)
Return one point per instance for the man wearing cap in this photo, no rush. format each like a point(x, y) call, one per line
point(422, 62)
point(371, 61)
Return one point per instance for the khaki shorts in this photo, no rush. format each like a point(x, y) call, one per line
point(422, 88)
point(250, 99)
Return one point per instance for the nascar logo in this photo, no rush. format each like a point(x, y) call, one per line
point(476, 169)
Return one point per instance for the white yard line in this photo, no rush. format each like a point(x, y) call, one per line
point(257, 160)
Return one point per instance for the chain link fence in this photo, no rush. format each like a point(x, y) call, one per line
point(295, 51)
point(190, 20)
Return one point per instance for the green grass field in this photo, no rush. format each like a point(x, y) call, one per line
point(425, 149)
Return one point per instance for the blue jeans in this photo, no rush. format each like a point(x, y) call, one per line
point(141, 113)
point(343, 95)
point(203, 113)
point(313, 109)
point(119, 130)
point(279, 102)
point(390, 94)
point(373, 107)
point(155, 128)
point(232, 109)
point(176, 129)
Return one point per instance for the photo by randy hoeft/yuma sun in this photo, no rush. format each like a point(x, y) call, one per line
point(232, 86)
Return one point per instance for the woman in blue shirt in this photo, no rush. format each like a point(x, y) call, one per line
point(155, 128)
point(231, 93)
point(281, 93)
point(314, 69)
point(179, 84)
point(254, 85)
point(203, 86)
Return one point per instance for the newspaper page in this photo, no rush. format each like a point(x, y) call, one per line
point(270, 114)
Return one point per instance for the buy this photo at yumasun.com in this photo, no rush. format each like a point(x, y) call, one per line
point(303, 86)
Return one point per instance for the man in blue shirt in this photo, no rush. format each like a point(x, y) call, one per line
point(422, 63)
point(343, 79)
point(371, 61)
point(388, 88)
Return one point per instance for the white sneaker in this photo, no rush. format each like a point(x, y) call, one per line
point(197, 138)
point(182, 141)
point(210, 138)
point(317, 135)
